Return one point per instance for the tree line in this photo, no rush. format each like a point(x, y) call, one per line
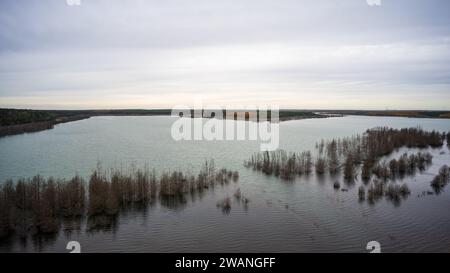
point(361, 155)
point(39, 206)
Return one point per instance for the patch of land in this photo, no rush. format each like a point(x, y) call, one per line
point(392, 113)
point(19, 121)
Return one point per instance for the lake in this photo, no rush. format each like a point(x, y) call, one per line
point(303, 215)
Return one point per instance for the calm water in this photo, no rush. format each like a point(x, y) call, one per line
point(305, 215)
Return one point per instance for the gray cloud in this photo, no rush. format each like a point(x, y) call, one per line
point(157, 50)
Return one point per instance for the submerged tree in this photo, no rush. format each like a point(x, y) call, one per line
point(332, 157)
point(349, 168)
point(99, 188)
point(320, 165)
point(441, 180)
point(366, 170)
point(396, 192)
point(72, 197)
point(7, 208)
point(361, 193)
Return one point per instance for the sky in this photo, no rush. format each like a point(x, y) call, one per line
point(311, 54)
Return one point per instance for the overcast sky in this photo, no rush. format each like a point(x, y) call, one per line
point(157, 54)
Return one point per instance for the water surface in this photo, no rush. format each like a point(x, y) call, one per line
point(305, 215)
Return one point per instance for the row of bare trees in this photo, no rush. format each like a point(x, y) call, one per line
point(36, 204)
point(382, 141)
point(405, 165)
point(378, 189)
point(373, 145)
point(348, 153)
point(281, 164)
point(39, 205)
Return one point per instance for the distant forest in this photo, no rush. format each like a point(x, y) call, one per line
point(17, 121)
point(394, 113)
point(10, 117)
point(22, 116)
point(14, 117)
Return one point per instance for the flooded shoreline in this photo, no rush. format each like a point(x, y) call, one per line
point(303, 214)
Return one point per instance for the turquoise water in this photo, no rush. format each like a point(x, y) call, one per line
point(297, 216)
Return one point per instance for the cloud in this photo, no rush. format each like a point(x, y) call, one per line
point(121, 53)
